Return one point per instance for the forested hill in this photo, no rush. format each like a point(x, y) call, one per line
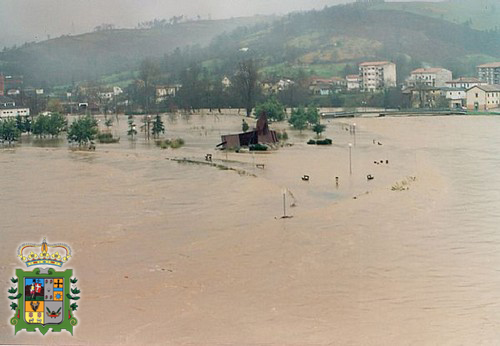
point(90, 56)
point(327, 42)
point(349, 34)
point(477, 14)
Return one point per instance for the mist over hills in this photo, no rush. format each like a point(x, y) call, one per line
point(89, 56)
point(325, 41)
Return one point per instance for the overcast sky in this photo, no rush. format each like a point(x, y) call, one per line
point(34, 20)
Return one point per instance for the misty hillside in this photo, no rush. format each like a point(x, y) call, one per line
point(89, 56)
point(478, 14)
point(328, 40)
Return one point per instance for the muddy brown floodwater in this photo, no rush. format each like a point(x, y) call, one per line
point(177, 253)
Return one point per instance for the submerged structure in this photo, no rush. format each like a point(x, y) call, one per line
point(260, 135)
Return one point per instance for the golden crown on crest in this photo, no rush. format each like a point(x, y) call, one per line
point(39, 254)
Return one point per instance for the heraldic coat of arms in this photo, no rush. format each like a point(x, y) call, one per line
point(42, 298)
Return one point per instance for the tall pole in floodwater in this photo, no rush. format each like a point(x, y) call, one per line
point(354, 132)
point(350, 158)
point(284, 202)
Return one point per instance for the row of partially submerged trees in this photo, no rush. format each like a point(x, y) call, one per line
point(300, 119)
point(82, 131)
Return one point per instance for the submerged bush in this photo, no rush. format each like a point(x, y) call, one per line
point(326, 141)
point(282, 136)
point(172, 143)
point(107, 138)
point(257, 147)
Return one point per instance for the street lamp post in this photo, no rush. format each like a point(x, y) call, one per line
point(350, 158)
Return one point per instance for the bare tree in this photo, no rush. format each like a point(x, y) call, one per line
point(149, 73)
point(245, 83)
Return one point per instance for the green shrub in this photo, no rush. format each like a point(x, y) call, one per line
point(257, 147)
point(107, 138)
point(172, 143)
point(326, 141)
point(176, 143)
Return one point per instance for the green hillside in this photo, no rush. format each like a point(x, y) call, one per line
point(478, 14)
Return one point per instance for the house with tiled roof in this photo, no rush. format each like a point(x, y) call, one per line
point(483, 97)
point(465, 82)
point(433, 77)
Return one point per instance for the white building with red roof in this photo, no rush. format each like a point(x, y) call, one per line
point(465, 82)
point(377, 75)
point(434, 77)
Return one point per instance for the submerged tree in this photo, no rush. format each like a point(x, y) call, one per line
point(40, 125)
point(108, 123)
point(312, 115)
point(158, 126)
point(131, 127)
point(27, 124)
point(56, 124)
point(45, 125)
point(272, 108)
point(83, 130)
point(319, 129)
point(19, 123)
point(298, 120)
point(9, 131)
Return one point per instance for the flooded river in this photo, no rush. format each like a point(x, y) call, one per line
point(179, 253)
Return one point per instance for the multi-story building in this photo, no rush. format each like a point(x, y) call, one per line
point(163, 92)
point(489, 73)
point(353, 82)
point(377, 75)
point(483, 97)
point(465, 82)
point(457, 97)
point(8, 108)
point(432, 77)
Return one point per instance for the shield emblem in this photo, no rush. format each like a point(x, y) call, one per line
point(42, 297)
point(45, 301)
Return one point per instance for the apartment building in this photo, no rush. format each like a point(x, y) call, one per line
point(377, 75)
